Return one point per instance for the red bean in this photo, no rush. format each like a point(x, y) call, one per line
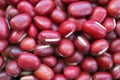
point(11, 12)
point(79, 22)
point(58, 16)
point(103, 2)
point(49, 37)
point(105, 61)
point(102, 14)
point(59, 66)
point(65, 48)
point(12, 68)
point(69, 1)
point(44, 72)
point(116, 58)
point(117, 29)
point(4, 76)
point(16, 36)
point(94, 29)
point(28, 61)
point(79, 9)
point(32, 31)
point(84, 76)
point(14, 2)
point(114, 45)
point(28, 43)
point(113, 8)
point(43, 50)
point(59, 77)
point(99, 46)
point(75, 59)
point(67, 28)
point(109, 24)
point(3, 28)
point(20, 22)
point(116, 72)
point(71, 72)
point(51, 61)
point(43, 23)
point(44, 7)
point(102, 75)
point(15, 52)
point(26, 7)
point(2, 62)
point(3, 45)
point(89, 64)
point(82, 44)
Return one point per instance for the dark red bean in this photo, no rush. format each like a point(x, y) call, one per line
point(111, 35)
point(16, 36)
point(75, 59)
point(99, 46)
point(43, 23)
point(32, 31)
point(49, 37)
point(58, 16)
point(67, 28)
point(79, 9)
point(109, 24)
point(71, 72)
point(103, 2)
point(51, 61)
point(69, 1)
point(59, 66)
point(65, 48)
point(2, 13)
point(44, 7)
point(84, 76)
point(20, 22)
point(60, 4)
point(113, 8)
point(43, 50)
point(102, 14)
point(105, 61)
point(2, 62)
point(114, 45)
point(3, 45)
point(89, 64)
point(3, 4)
point(6, 52)
point(44, 72)
point(116, 72)
point(4, 76)
point(15, 52)
point(117, 29)
point(12, 68)
point(28, 61)
point(26, 7)
point(79, 22)
point(3, 28)
point(34, 2)
point(11, 12)
point(59, 77)
point(28, 43)
point(13, 2)
point(94, 29)
point(102, 76)
point(82, 44)
point(116, 58)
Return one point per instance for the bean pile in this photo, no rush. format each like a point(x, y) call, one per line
point(59, 39)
